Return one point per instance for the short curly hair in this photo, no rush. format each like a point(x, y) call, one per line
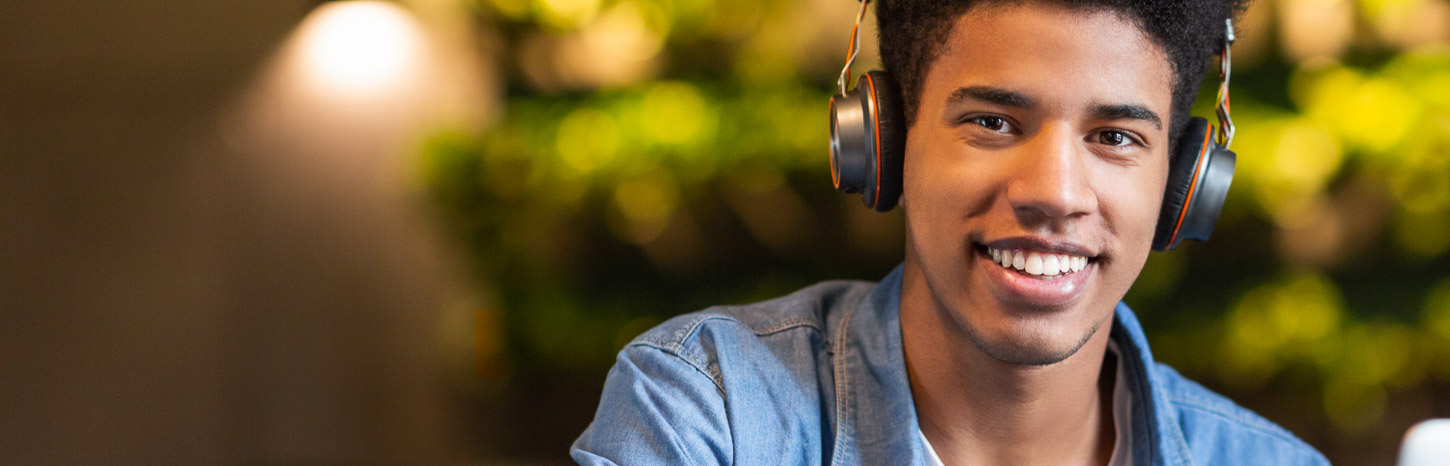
point(912, 34)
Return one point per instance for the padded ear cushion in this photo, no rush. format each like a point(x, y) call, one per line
point(1192, 147)
point(890, 134)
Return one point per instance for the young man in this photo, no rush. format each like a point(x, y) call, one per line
point(1037, 149)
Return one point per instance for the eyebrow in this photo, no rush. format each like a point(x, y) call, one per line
point(1126, 112)
point(991, 95)
point(1006, 98)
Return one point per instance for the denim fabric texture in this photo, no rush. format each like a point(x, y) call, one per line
point(818, 377)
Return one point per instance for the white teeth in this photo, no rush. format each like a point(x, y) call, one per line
point(1034, 264)
point(1038, 263)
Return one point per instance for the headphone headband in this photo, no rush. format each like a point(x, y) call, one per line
point(851, 50)
point(1225, 121)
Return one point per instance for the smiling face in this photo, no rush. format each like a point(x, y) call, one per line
point(1040, 143)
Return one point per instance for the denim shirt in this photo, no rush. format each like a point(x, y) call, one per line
point(818, 377)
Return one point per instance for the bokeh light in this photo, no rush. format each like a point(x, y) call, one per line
point(359, 46)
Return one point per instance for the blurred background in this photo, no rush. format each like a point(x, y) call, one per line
point(287, 231)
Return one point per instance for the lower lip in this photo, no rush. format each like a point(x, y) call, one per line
point(1035, 290)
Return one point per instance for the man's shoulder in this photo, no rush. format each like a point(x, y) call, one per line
point(1219, 431)
point(809, 308)
point(739, 384)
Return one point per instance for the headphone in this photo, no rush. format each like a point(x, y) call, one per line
point(868, 137)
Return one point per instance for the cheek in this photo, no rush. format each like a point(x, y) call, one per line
point(939, 184)
point(912, 166)
point(1130, 200)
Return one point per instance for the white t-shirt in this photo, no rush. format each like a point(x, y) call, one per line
point(1122, 417)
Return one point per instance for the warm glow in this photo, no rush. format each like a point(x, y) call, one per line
point(1315, 28)
point(357, 46)
point(349, 91)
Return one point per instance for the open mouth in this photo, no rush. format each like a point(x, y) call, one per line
point(1041, 264)
point(1037, 274)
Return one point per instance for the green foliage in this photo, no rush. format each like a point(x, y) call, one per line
point(594, 213)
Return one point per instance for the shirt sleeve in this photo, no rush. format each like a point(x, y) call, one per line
point(658, 408)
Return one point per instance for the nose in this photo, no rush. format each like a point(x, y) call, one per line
point(1050, 182)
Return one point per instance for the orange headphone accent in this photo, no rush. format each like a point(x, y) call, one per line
point(1198, 167)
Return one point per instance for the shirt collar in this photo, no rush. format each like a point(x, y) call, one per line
point(1155, 429)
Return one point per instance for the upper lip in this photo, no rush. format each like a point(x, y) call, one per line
point(1041, 244)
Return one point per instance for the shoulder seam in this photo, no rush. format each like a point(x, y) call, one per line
point(675, 344)
point(676, 351)
point(687, 332)
point(787, 324)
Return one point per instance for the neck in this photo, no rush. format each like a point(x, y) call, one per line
point(973, 406)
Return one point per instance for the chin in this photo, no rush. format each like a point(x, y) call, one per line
point(1029, 343)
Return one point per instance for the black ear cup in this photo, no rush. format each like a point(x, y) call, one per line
point(891, 129)
point(867, 141)
point(1199, 176)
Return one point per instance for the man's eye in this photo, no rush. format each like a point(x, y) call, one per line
point(1114, 138)
point(996, 124)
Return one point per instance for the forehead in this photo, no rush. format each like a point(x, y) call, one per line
point(1054, 53)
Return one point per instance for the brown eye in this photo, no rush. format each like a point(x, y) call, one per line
point(991, 123)
point(1113, 138)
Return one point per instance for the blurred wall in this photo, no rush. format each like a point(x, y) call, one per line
point(170, 296)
